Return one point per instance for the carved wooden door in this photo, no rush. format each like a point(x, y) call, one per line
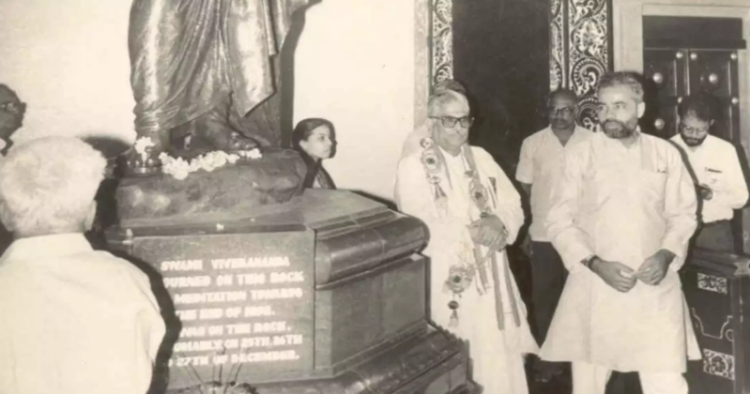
point(666, 84)
point(674, 73)
point(715, 71)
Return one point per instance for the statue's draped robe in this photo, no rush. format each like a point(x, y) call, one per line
point(187, 56)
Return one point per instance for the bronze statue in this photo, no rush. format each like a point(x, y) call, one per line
point(202, 73)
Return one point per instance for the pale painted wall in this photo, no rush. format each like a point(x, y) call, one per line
point(69, 61)
point(355, 65)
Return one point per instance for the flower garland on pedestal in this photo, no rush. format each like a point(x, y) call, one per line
point(180, 168)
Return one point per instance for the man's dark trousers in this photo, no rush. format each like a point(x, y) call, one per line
point(548, 274)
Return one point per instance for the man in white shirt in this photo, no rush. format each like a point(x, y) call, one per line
point(472, 211)
point(539, 170)
point(74, 320)
point(716, 169)
point(621, 221)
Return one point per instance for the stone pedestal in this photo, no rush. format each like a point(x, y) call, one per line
point(717, 290)
point(326, 294)
point(247, 189)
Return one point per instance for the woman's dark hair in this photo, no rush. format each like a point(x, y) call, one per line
point(304, 129)
point(301, 133)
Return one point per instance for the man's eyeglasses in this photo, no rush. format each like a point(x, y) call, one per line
point(565, 111)
point(449, 122)
point(13, 107)
point(694, 130)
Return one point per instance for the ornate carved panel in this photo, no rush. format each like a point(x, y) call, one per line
point(579, 50)
point(422, 59)
point(712, 283)
point(715, 296)
point(557, 76)
point(718, 364)
point(441, 40)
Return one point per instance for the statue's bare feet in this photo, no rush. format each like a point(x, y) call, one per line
point(238, 142)
point(143, 157)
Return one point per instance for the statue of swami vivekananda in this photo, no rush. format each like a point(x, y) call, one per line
point(204, 74)
point(205, 78)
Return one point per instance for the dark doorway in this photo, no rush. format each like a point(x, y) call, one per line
point(501, 54)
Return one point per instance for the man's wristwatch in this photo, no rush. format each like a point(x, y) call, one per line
point(588, 261)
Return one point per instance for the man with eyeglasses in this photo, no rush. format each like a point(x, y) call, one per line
point(11, 115)
point(540, 167)
point(716, 169)
point(472, 211)
point(412, 143)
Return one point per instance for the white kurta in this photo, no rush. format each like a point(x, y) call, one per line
point(496, 355)
point(74, 320)
point(622, 204)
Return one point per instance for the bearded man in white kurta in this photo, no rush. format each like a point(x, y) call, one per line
point(472, 211)
point(622, 221)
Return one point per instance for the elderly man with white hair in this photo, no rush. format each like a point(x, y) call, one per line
point(74, 320)
point(472, 211)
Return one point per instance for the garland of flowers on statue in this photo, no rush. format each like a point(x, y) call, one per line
point(180, 168)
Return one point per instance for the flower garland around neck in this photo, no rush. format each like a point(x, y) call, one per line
point(461, 274)
point(434, 166)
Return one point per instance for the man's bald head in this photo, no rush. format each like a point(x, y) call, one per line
point(563, 94)
point(445, 92)
point(449, 84)
point(439, 101)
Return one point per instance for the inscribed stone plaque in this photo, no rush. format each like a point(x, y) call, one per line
point(245, 302)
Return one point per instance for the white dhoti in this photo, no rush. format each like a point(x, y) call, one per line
point(497, 357)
